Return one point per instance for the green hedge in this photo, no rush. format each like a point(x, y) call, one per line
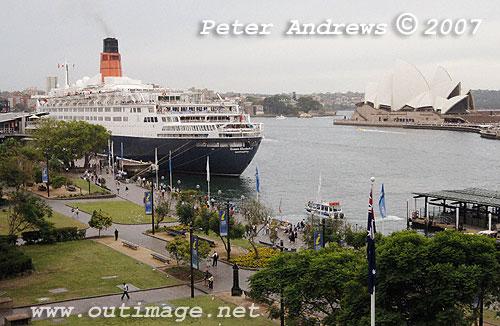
point(55, 235)
point(13, 261)
point(10, 239)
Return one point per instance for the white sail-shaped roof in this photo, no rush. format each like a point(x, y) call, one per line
point(407, 83)
point(407, 87)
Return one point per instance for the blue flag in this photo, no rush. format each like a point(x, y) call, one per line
point(194, 248)
point(381, 203)
point(370, 247)
point(318, 240)
point(170, 161)
point(257, 178)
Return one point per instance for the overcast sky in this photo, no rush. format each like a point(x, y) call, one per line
point(160, 43)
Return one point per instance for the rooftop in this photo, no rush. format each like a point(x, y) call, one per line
point(469, 195)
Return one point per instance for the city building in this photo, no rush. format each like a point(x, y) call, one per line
point(50, 83)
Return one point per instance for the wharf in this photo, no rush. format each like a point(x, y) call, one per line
point(451, 127)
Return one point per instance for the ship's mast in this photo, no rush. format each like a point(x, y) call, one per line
point(65, 65)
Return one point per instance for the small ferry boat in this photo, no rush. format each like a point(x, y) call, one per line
point(280, 117)
point(322, 208)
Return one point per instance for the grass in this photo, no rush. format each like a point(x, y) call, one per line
point(84, 185)
point(209, 307)
point(120, 211)
point(59, 220)
point(78, 266)
point(243, 243)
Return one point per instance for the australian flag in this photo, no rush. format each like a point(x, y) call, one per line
point(370, 247)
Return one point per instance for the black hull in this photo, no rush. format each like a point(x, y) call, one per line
point(228, 157)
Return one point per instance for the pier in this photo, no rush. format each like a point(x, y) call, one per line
point(470, 210)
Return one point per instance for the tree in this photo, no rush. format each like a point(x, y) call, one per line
point(307, 103)
point(17, 162)
point(186, 212)
point(176, 247)
point(311, 283)
point(70, 140)
point(100, 221)
point(27, 211)
point(435, 281)
point(179, 248)
point(161, 211)
point(256, 215)
point(236, 230)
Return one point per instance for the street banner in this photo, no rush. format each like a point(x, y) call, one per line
point(44, 175)
point(148, 203)
point(223, 223)
point(194, 248)
point(318, 240)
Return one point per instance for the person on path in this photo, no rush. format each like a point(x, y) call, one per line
point(125, 291)
point(73, 212)
point(126, 190)
point(116, 234)
point(207, 277)
point(215, 257)
point(118, 189)
point(211, 282)
point(77, 211)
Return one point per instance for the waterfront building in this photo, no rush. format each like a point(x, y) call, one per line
point(406, 96)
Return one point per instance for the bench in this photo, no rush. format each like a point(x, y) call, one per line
point(266, 243)
point(21, 319)
point(6, 304)
point(175, 232)
point(210, 242)
point(130, 245)
point(161, 258)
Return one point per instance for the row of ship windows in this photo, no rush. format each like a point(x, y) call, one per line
point(190, 128)
point(132, 110)
point(138, 110)
point(87, 118)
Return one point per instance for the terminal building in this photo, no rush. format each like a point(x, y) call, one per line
point(406, 96)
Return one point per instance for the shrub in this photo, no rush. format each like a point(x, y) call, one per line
point(10, 239)
point(249, 260)
point(58, 181)
point(31, 237)
point(13, 261)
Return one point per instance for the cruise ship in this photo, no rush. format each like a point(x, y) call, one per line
point(143, 117)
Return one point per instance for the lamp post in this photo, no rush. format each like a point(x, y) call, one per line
point(48, 181)
point(219, 193)
point(178, 183)
point(191, 256)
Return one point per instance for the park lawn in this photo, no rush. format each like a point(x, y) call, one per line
point(120, 211)
point(78, 267)
point(84, 185)
point(243, 243)
point(59, 220)
point(208, 306)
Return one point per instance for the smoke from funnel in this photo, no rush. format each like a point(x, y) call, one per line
point(102, 24)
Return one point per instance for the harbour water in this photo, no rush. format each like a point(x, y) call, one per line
point(296, 151)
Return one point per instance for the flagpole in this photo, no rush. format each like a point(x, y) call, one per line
point(208, 177)
point(372, 310)
point(156, 166)
point(170, 168)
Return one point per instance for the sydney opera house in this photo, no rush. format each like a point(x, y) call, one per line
point(406, 96)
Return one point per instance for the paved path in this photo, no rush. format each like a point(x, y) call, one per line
point(223, 273)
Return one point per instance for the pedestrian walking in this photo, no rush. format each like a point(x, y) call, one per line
point(73, 212)
point(77, 211)
point(215, 257)
point(207, 277)
point(118, 189)
point(116, 234)
point(211, 282)
point(125, 291)
point(126, 190)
